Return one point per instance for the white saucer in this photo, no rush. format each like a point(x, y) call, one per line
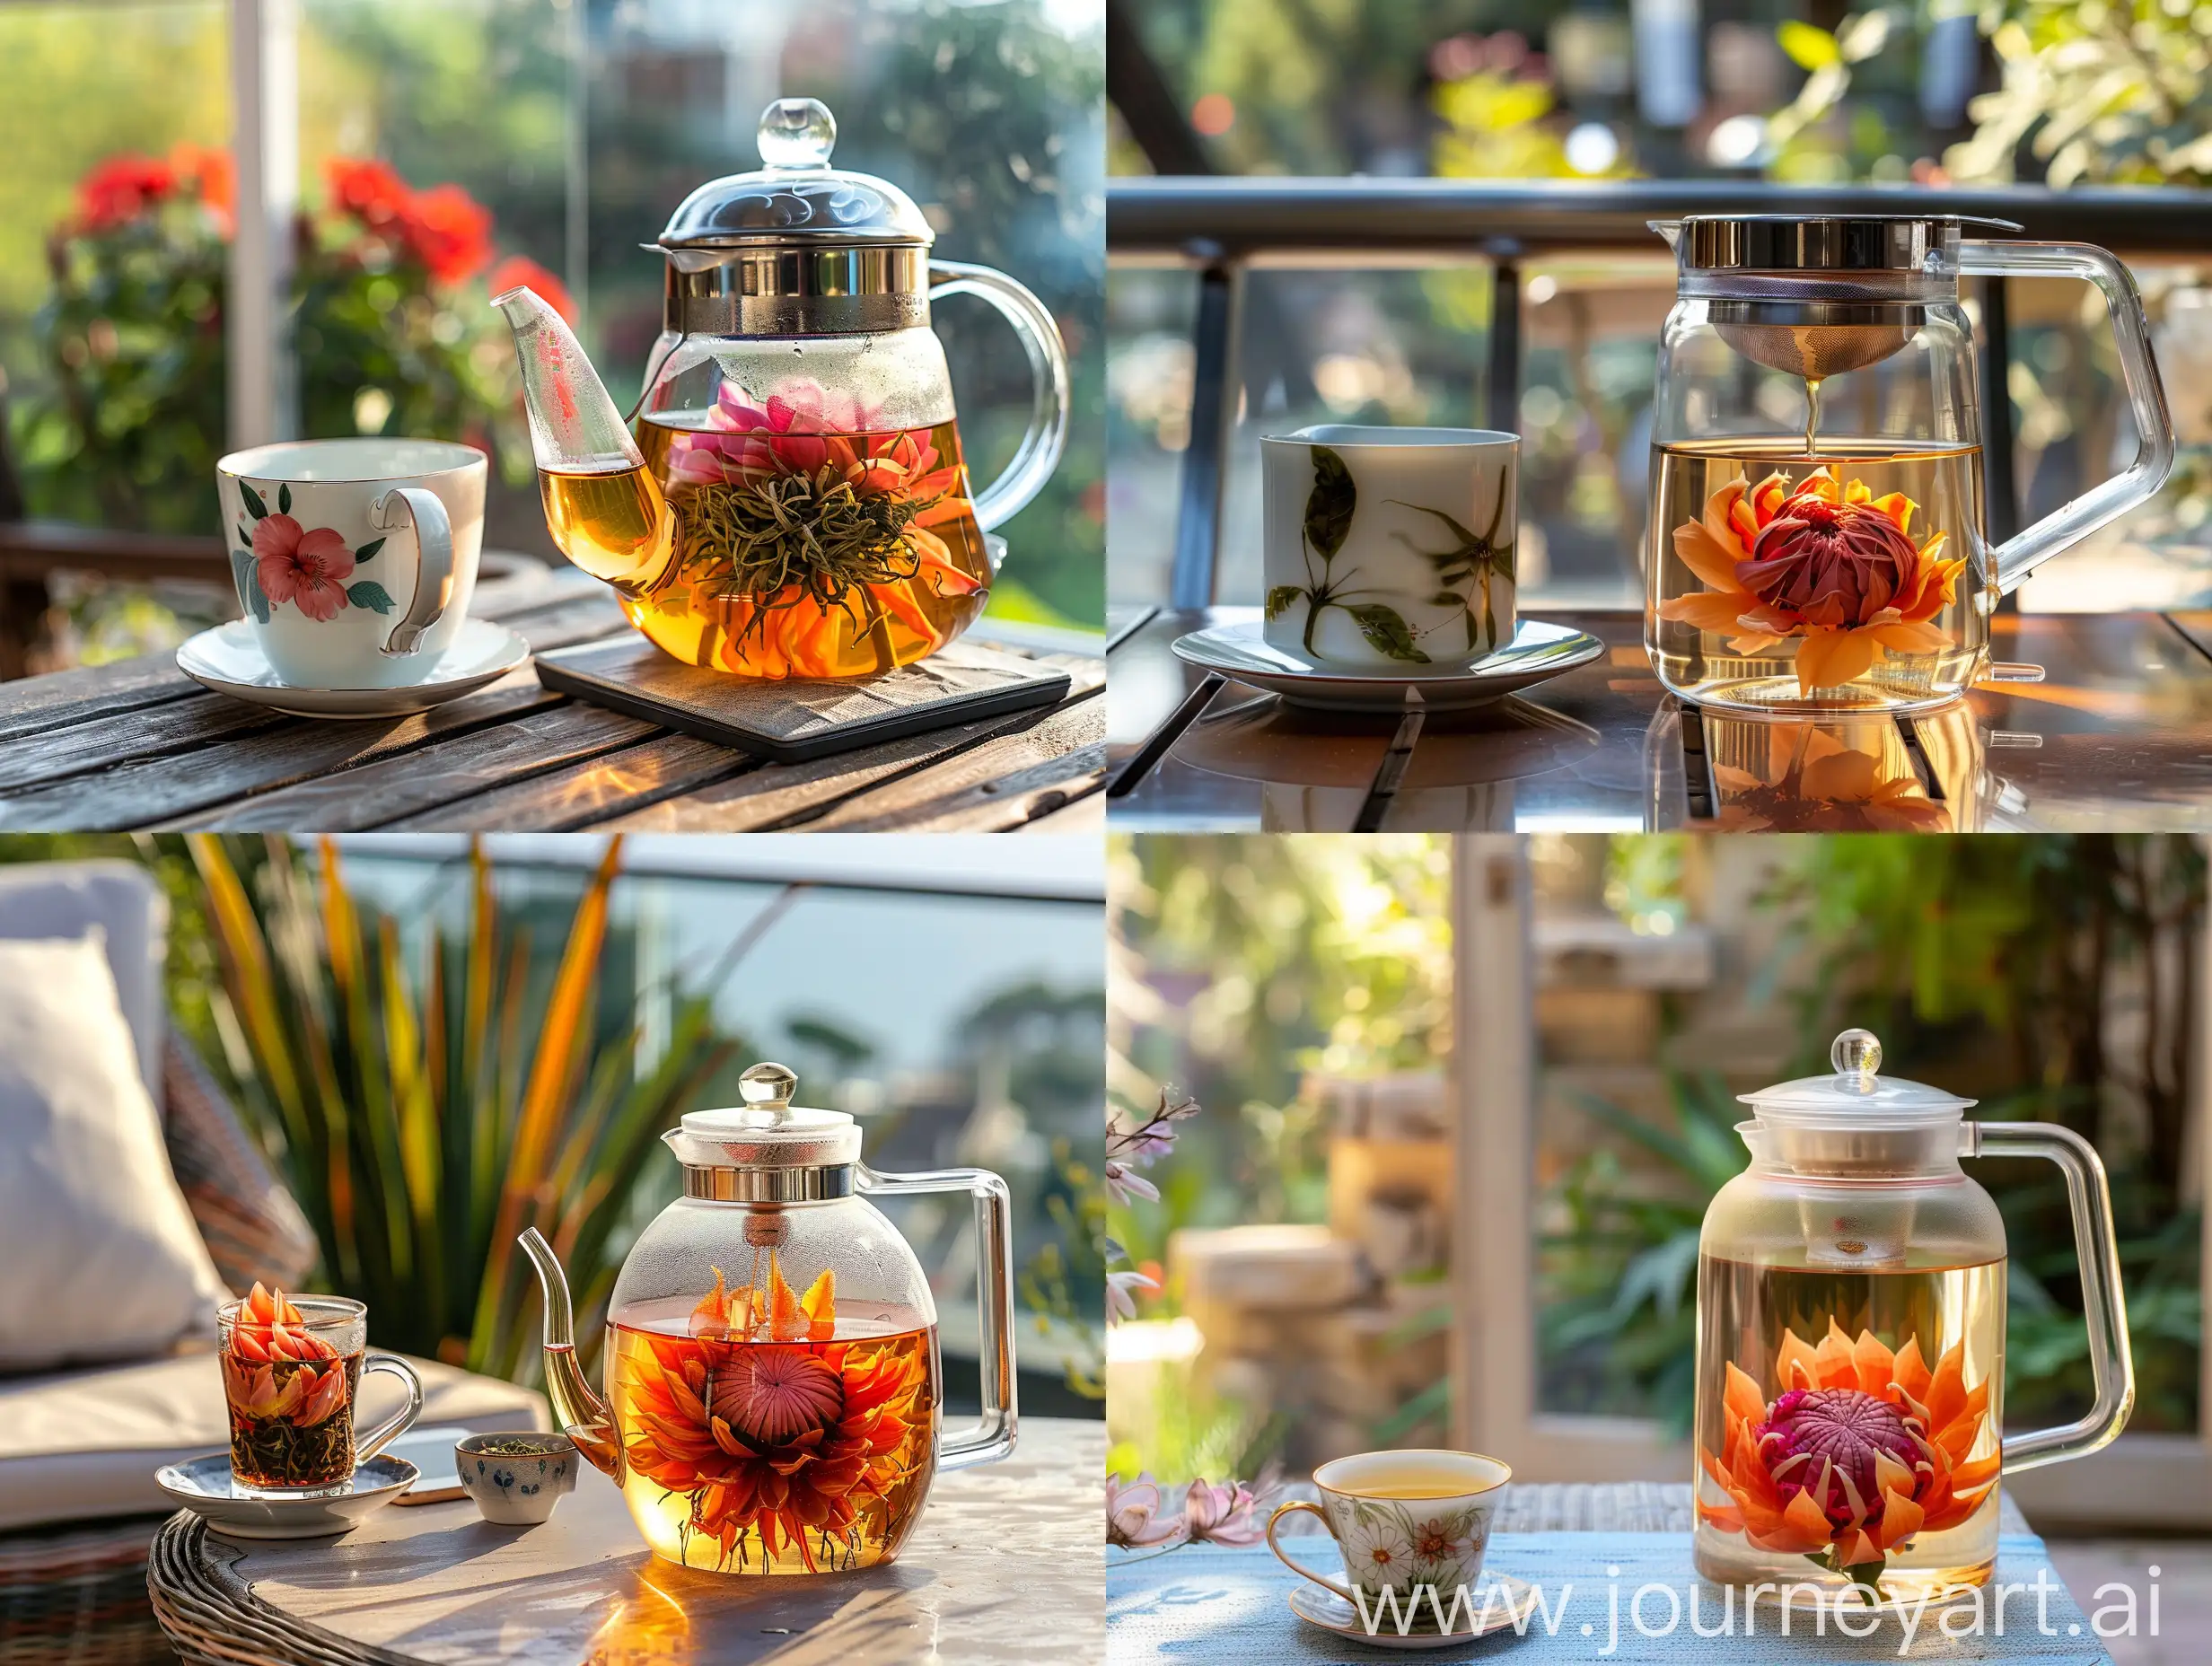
point(1327, 1612)
point(1537, 651)
point(203, 1485)
point(228, 660)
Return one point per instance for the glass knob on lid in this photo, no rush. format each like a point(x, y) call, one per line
point(767, 1132)
point(797, 133)
point(1856, 1096)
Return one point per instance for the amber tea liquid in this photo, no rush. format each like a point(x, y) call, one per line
point(773, 1457)
point(1744, 1312)
point(617, 524)
point(1943, 482)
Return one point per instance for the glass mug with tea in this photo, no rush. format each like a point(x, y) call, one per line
point(1412, 1527)
point(292, 1366)
point(794, 501)
point(355, 560)
point(774, 1389)
point(1818, 539)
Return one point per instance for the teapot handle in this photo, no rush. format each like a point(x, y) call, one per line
point(2104, 1305)
point(992, 1437)
point(1040, 451)
point(2021, 555)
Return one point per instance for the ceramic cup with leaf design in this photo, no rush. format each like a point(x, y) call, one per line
point(354, 559)
point(1389, 548)
point(1405, 1521)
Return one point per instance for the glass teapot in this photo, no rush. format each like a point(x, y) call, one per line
point(794, 501)
point(773, 1379)
point(1850, 1366)
point(1817, 535)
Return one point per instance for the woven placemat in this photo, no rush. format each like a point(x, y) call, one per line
point(793, 720)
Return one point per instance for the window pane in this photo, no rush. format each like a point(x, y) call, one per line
point(1150, 316)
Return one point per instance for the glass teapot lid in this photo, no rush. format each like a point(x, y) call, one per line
point(767, 1149)
point(1856, 1098)
point(796, 198)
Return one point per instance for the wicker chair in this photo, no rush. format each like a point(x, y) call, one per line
point(77, 1592)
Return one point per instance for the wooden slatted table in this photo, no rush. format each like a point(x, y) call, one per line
point(1004, 1566)
point(140, 746)
point(2118, 736)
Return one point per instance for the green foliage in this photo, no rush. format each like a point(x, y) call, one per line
point(1214, 1439)
point(1239, 964)
point(128, 430)
point(1059, 1286)
point(1616, 1286)
point(2105, 92)
point(429, 1109)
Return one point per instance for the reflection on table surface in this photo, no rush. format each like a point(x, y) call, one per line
point(2118, 736)
point(1004, 1567)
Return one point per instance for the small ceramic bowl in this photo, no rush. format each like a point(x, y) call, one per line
point(516, 1488)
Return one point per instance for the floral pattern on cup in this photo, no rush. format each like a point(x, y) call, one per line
point(516, 1478)
point(1388, 1545)
point(284, 562)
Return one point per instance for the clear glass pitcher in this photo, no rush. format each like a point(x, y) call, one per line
point(1850, 1366)
point(1817, 539)
point(773, 1383)
point(794, 501)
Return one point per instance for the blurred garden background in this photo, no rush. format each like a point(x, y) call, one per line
point(448, 147)
point(437, 1042)
point(1308, 993)
point(1916, 95)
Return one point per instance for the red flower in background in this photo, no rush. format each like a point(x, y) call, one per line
point(120, 190)
point(519, 272)
point(370, 191)
point(449, 233)
point(209, 172)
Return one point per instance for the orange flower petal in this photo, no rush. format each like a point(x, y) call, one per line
point(1742, 1397)
point(1911, 1372)
point(1707, 609)
point(1805, 1525)
point(1871, 1359)
point(1900, 1519)
point(1946, 1391)
point(1828, 659)
point(1793, 1365)
point(1836, 1369)
point(1897, 507)
point(1712, 560)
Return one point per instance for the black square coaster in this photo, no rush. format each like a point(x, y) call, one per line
point(792, 719)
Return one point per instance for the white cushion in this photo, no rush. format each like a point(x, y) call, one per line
point(49, 899)
point(84, 1444)
point(103, 1261)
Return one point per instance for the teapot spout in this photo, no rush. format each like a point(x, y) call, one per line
point(574, 427)
point(602, 505)
point(583, 1417)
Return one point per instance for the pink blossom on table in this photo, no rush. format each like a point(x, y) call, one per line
point(1223, 1515)
point(1120, 1302)
point(307, 567)
point(1133, 1517)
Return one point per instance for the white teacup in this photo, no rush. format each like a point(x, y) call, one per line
point(1405, 1521)
point(354, 559)
point(1404, 537)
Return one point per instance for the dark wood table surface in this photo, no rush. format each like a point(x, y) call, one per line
point(2117, 736)
point(139, 745)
